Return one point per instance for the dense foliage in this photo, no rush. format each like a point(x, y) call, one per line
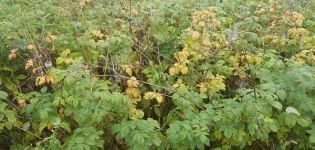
point(154, 74)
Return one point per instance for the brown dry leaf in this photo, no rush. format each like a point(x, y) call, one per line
point(22, 103)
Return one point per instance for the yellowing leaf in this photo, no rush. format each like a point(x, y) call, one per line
point(31, 47)
point(184, 70)
point(149, 95)
point(202, 87)
point(217, 83)
point(29, 64)
point(136, 113)
point(68, 61)
point(40, 80)
point(129, 71)
point(132, 82)
point(133, 92)
point(160, 99)
point(50, 79)
point(172, 71)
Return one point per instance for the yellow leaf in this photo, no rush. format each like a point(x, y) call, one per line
point(258, 60)
point(184, 70)
point(149, 95)
point(160, 99)
point(172, 71)
point(31, 47)
point(29, 64)
point(128, 69)
point(40, 80)
point(133, 92)
point(95, 78)
point(136, 113)
point(202, 87)
point(68, 61)
point(195, 35)
point(132, 82)
point(50, 79)
point(217, 83)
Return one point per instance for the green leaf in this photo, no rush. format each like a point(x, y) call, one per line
point(65, 126)
point(273, 127)
point(75, 102)
point(8, 125)
point(56, 101)
point(43, 114)
point(217, 134)
point(281, 94)
point(290, 121)
point(312, 138)
point(1, 127)
point(124, 131)
point(303, 123)
point(156, 141)
point(21, 77)
point(276, 104)
point(204, 139)
point(56, 121)
point(59, 60)
point(228, 132)
point(3, 95)
point(43, 90)
point(79, 140)
point(42, 125)
point(11, 116)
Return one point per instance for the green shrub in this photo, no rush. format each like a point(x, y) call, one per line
point(178, 74)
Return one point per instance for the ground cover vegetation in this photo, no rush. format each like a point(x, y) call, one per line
point(154, 74)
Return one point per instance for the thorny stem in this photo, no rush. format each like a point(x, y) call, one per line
point(244, 54)
point(130, 29)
